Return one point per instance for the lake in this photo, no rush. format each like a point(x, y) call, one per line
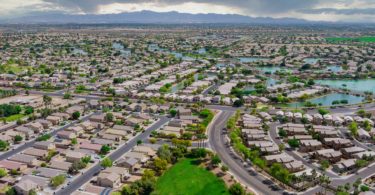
point(252, 59)
point(272, 69)
point(361, 85)
point(328, 99)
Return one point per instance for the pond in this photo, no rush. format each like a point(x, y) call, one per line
point(79, 51)
point(334, 68)
point(361, 85)
point(311, 60)
point(272, 69)
point(327, 100)
point(120, 47)
point(252, 59)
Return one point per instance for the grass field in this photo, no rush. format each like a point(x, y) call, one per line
point(186, 178)
point(351, 39)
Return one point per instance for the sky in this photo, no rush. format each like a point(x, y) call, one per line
point(314, 10)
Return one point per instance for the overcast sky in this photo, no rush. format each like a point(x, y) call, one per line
point(316, 10)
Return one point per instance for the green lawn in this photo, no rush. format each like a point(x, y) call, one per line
point(186, 178)
point(351, 39)
point(14, 117)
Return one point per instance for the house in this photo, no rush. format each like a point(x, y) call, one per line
point(48, 172)
point(61, 165)
point(348, 152)
point(310, 145)
point(112, 177)
point(45, 123)
point(344, 166)
point(89, 146)
point(73, 156)
point(25, 130)
point(66, 134)
point(294, 166)
point(11, 165)
point(328, 154)
point(98, 118)
point(22, 158)
point(35, 126)
point(40, 154)
point(145, 150)
point(25, 186)
point(45, 145)
point(131, 164)
point(54, 119)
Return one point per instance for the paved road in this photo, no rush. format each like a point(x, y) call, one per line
point(32, 142)
point(217, 143)
point(89, 174)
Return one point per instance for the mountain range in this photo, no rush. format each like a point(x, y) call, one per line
point(146, 17)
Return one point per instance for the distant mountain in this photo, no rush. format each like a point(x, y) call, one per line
point(146, 17)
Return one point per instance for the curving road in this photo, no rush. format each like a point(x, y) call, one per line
point(217, 141)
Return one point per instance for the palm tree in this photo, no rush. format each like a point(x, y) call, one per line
point(324, 181)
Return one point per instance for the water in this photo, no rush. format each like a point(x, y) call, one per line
point(310, 60)
point(202, 51)
point(177, 54)
point(361, 85)
point(334, 68)
point(271, 82)
point(177, 87)
point(220, 65)
point(120, 47)
point(79, 51)
point(252, 59)
point(328, 99)
point(272, 69)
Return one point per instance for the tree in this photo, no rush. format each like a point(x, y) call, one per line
point(18, 138)
point(29, 110)
point(57, 180)
point(139, 142)
point(282, 133)
point(294, 143)
point(323, 111)
point(47, 100)
point(11, 191)
point(238, 103)
point(215, 160)
point(324, 164)
point(86, 159)
point(3, 172)
point(109, 117)
point(236, 189)
point(76, 166)
point(76, 115)
point(3, 145)
point(106, 162)
point(74, 141)
point(165, 153)
point(173, 112)
point(198, 152)
point(67, 96)
point(105, 149)
point(353, 128)
point(160, 165)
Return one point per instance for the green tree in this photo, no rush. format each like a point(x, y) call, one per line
point(215, 160)
point(353, 128)
point(236, 189)
point(57, 180)
point(173, 112)
point(105, 149)
point(18, 138)
point(106, 162)
point(160, 165)
point(294, 143)
point(165, 153)
point(324, 164)
point(3, 145)
point(76, 115)
point(3, 172)
point(323, 111)
point(47, 100)
point(67, 96)
point(29, 110)
point(74, 141)
point(109, 117)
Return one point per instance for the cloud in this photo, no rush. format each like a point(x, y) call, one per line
point(368, 11)
point(245, 6)
point(327, 10)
